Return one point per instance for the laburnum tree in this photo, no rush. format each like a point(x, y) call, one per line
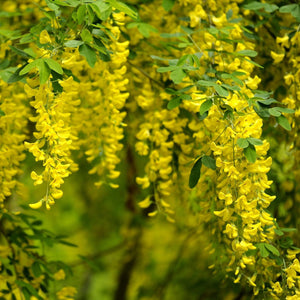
point(161, 138)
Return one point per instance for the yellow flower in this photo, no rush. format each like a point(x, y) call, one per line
point(44, 37)
point(152, 214)
point(60, 275)
point(144, 182)
point(277, 57)
point(38, 179)
point(145, 203)
point(66, 293)
point(284, 41)
point(252, 83)
point(231, 231)
point(37, 204)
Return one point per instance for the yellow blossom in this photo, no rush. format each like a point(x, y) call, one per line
point(277, 57)
point(44, 37)
point(60, 275)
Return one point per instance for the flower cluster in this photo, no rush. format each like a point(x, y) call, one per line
point(13, 112)
point(231, 202)
point(53, 139)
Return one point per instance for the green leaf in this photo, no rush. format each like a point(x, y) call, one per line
point(36, 269)
point(272, 249)
point(296, 12)
point(258, 5)
point(187, 29)
point(81, 11)
point(89, 54)
point(54, 65)
point(242, 143)
point(250, 153)
point(196, 60)
point(27, 38)
point(286, 242)
point(287, 8)
point(269, 8)
point(174, 102)
point(205, 106)
point(185, 97)
point(183, 59)
point(185, 89)
point(53, 6)
point(2, 113)
point(44, 71)
point(144, 28)
point(27, 286)
point(27, 68)
point(124, 8)
point(177, 76)
point(238, 73)
point(86, 36)
point(73, 43)
point(221, 91)
point(10, 34)
point(202, 117)
point(213, 30)
point(195, 173)
point(288, 229)
point(67, 243)
point(263, 251)
point(101, 9)
point(230, 87)
point(157, 57)
point(283, 122)
point(255, 142)
point(285, 110)
point(172, 35)
point(166, 69)
point(254, 63)
point(266, 101)
point(20, 52)
point(206, 83)
point(250, 53)
point(168, 4)
point(171, 91)
point(15, 76)
point(232, 77)
point(209, 162)
point(49, 14)
point(274, 112)
point(254, 5)
point(278, 232)
point(43, 68)
point(70, 3)
point(26, 293)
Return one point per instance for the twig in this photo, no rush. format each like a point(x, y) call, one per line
point(146, 74)
point(99, 254)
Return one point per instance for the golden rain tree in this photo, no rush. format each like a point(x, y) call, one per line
point(161, 138)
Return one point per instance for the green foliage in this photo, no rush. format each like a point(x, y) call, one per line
point(195, 173)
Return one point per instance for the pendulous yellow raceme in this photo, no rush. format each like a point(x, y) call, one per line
point(13, 114)
point(91, 108)
point(53, 143)
point(232, 200)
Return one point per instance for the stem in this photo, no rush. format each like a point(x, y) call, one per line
point(145, 74)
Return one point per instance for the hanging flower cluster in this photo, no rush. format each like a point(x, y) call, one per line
point(231, 192)
point(13, 112)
